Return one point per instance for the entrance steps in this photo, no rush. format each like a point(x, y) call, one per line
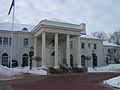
point(67, 71)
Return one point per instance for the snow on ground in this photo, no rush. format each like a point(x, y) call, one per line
point(115, 82)
point(108, 68)
point(14, 73)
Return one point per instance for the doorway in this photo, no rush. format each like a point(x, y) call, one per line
point(24, 60)
point(71, 61)
point(5, 59)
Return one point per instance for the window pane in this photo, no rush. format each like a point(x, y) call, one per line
point(82, 45)
point(25, 41)
point(114, 50)
point(71, 44)
point(5, 41)
point(108, 50)
point(9, 41)
point(89, 45)
point(95, 46)
point(0, 40)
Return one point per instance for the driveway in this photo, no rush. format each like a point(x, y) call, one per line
point(86, 81)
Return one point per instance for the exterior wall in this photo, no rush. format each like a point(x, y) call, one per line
point(18, 47)
point(88, 51)
point(113, 55)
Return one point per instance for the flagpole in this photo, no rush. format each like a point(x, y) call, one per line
point(13, 16)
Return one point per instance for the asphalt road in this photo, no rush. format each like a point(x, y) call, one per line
point(86, 81)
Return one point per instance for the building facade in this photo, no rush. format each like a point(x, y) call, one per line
point(54, 42)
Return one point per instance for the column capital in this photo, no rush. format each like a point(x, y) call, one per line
point(67, 34)
point(43, 32)
point(56, 33)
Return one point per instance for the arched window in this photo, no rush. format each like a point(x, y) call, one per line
point(25, 29)
point(5, 59)
point(24, 60)
point(83, 60)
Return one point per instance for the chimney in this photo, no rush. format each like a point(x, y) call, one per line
point(83, 27)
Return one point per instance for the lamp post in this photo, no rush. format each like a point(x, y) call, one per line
point(31, 53)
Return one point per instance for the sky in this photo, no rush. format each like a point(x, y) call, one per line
point(99, 15)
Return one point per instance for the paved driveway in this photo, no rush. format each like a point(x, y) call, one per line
point(87, 81)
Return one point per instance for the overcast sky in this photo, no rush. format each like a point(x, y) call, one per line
point(99, 15)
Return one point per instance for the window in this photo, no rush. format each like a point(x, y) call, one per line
point(88, 45)
point(95, 46)
point(10, 41)
point(71, 44)
point(82, 45)
point(5, 41)
point(108, 50)
point(0, 40)
point(25, 41)
point(114, 50)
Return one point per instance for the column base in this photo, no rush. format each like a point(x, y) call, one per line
point(44, 67)
point(34, 64)
point(79, 66)
point(56, 67)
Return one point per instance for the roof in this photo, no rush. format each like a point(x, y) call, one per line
point(89, 37)
point(106, 43)
point(17, 27)
point(57, 24)
point(57, 20)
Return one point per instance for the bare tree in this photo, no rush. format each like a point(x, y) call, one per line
point(102, 35)
point(115, 37)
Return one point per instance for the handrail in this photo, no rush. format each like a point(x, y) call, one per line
point(66, 67)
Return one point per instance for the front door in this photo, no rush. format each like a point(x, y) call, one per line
point(83, 60)
point(71, 60)
point(5, 60)
point(94, 56)
point(25, 60)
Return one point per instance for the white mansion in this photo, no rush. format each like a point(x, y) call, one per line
point(55, 41)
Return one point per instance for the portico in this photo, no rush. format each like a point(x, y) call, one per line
point(52, 43)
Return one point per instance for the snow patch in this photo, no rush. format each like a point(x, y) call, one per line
point(14, 73)
point(57, 20)
point(106, 43)
point(115, 82)
point(17, 26)
point(108, 68)
point(89, 37)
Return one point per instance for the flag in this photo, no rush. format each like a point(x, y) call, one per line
point(13, 4)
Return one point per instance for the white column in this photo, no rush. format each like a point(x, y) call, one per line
point(56, 52)
point(78, 52)
point(68, 50)
point(35, 51)
point(44, 50)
